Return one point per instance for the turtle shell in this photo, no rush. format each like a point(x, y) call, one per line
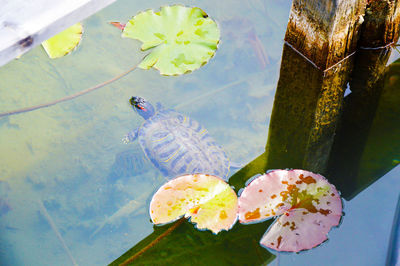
point(177, 144)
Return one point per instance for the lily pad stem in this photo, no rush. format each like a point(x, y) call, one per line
point(67, 98)
point(152, 243)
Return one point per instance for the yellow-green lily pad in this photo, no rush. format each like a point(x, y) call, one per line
point(64, 42)
point(182, 38)
point(210, 202)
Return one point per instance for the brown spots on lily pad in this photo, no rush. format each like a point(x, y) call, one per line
point(308, 180)
point(189, 195)
point(286, 224)
point(279, 239)
point(293, 226)
point(253, 215)
point(195, 210)
point(325, 212)
point(302, 223)
point(223, 215)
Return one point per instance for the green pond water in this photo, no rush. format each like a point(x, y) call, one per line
point(66, 178)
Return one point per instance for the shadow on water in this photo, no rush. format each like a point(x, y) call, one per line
point(355, 143)
point(367, 141)
point(352, 140)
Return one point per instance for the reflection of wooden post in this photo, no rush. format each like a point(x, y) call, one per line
point(382, 22)
point(380, 29)
point(309, 94)
point(367, 141)
point(358, 113)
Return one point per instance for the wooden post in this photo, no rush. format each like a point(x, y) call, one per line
point(316, 63)
point(325, 31)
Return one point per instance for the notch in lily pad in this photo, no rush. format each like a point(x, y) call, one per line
point(308, 206)
point(181, 39)
point(208, 200)
point(64, 42)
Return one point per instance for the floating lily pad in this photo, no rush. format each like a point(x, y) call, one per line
point(64, 42)
point(208, 200)
point(308, 206)
point(183, 39)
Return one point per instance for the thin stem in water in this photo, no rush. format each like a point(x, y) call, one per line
point(152, 243)
point(67, 98)
point(55, 230)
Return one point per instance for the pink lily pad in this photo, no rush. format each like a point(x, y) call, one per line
point(208, 200)
point(306, 203)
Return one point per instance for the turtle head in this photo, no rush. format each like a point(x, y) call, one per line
point(143, 107)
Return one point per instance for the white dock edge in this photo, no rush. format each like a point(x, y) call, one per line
point(25, 24)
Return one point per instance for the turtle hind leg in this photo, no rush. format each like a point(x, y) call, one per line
point(130, 137)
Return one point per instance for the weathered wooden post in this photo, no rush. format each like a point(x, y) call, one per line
point(370, 90)
point(321, 37)
point(381, 24)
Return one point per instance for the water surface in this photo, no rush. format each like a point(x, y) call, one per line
point(59, 178)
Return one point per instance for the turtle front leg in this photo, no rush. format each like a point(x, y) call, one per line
point(130, 137)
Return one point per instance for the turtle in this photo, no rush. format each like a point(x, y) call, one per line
point(175, 143)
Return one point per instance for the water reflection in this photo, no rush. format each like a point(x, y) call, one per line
point(302, 132)
point(368, 138)
point(71, 159)
point(365, 143)
point(70, 156)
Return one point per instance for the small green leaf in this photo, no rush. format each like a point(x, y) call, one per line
point(183, 38)
point(64, 42)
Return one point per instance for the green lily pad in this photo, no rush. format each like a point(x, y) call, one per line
point(64, 42)
point(183, 39)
